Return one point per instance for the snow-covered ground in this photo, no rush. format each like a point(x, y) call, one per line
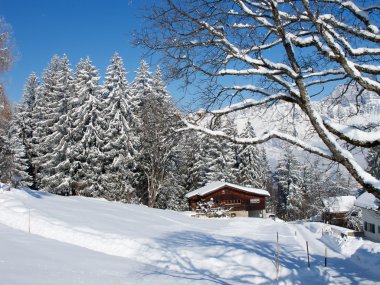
point(76, 240)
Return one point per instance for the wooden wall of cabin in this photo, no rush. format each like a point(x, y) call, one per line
point(230, 197)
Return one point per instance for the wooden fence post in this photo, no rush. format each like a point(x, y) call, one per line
point(308, 259)
point(277, 260)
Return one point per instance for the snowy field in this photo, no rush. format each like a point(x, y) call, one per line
point(76, 240)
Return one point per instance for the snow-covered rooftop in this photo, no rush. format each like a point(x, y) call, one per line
point(215, 185)
point(368, 201)
point(339, 204)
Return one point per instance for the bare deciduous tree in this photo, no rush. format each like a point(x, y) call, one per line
point(272, 51)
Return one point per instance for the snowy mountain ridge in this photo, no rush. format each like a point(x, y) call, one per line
point(357, 109)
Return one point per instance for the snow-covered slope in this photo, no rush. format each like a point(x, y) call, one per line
point(76, 240)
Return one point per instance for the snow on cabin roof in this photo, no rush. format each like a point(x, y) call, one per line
point(368, 201)
point(339, 204)
point(212, 186)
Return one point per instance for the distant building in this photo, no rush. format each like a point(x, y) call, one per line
point(370, 206)
point(243, 201)
point(336, 209)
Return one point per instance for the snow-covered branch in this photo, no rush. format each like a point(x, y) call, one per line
point(250, 103)
point(259, 139)
point(353, 135)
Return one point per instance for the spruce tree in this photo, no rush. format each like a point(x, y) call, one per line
point(118, 148)
point(43, 120)
point(87, 131)
point(253, 168)
point(373, 160)
point(289, 181)
point(158, 118)
point(25, 113)
point(58, 178)
point(220, 154)
point(20, 165)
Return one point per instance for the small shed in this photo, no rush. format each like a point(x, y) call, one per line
point(370, 206)
point(336, 209)
point(242, 201)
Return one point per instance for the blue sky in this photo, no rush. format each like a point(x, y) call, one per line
point(79, 28)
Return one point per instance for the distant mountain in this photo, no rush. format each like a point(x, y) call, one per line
point(346, 105)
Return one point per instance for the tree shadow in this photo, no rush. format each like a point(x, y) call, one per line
point(34, 193)
point(183, 253)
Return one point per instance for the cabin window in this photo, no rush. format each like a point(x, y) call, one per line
point(378, 229)
point(369, 227)
point(254, 201)
point(233, 202)
point(223, 192)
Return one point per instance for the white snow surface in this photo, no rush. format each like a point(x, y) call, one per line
point(77, 240)
point(215, 185)
point(368, 201)
point(339, 204)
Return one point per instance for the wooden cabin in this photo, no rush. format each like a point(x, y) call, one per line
point(242, 201)
point(336, 209)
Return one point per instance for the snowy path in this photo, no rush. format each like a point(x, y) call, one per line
point(164, 245)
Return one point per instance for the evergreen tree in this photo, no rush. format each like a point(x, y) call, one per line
point(6, 162)
point(157, 139)
point(24, 114)
point(193, 155)
point(118, 148)
point(373, 160)
point(314, 186)
point(220, 155)
point(43, 120)
point(20, 166)
point(339, 184)
point(140, 89)
point(87, 131)
point(289, 181)
point(253, 168)
point(57, 178)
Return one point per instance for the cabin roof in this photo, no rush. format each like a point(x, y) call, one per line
point(339, 204)
point(368, 201)
point(215, 185)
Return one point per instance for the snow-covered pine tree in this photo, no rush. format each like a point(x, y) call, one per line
point(24, 113)
point(140, 88)
point(220, 154)
point(314, 186)
point(118, 148)
point(373, 160)
point(253, 168)
point(289, 180)
point(43, 120)
point(87, 131)
point(57, 178)
point(6, 163)
point(158, 118)
point(20, 165)
point(5, 148)
point(194, 169)
point(339, 184)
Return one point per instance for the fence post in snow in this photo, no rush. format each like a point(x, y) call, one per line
point(277, 259)
point(325, 256)
point(307, 250)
